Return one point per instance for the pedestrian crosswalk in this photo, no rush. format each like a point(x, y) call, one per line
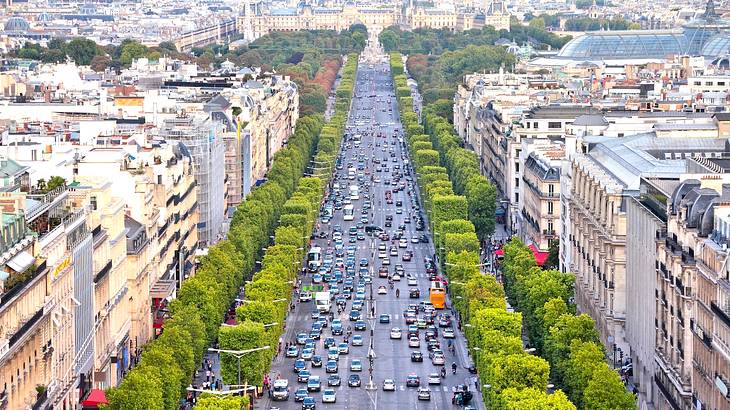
point(403, 387)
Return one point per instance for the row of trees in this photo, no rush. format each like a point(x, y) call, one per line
point(568, 341)
point(86, 52)
point(437, 59)
point(268, 294)
point(286, 199)
point(512, 378)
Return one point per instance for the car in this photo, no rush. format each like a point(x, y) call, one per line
point(438, 359)
point(301, 338)
point(329, 396)
point(331, 366)
point(424, 393)
point(313, 384)
point(343, 348)
point(307, 353)
point(303, 376)
point(334, 380)
point(308, 403)
point(292, 351)
point(382, 290)
point(396, 276)
point(403, 243)
point(434, 378)
point(360, 325)
point(386, 261)
point(316, 361)
point(415, 239)
point(355, 315)
point(414, 342)
point(412, 281)
point(299, 365)
point(449, 333)
point(421, 323)
point(416, 356)
point(329, 342)
point(300, 394)
point(396, 333)
point(356, 365)
point(407, 256)
point(305, 296)
point(393, 251)
point(333, 353)
point(357, 340)
point(412, 380)
point(414, 293)
point(388, 385)
point(354, 380)
point(384, 318)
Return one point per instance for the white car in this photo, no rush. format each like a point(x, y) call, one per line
point(394, 251)
point(449, 333)
point(382, 254)
point(396, 333)
point(388, 385)
point(329, 396)
point(415, 239)
point(414, 342)
point(396, 277)
point(403, 243)
point(386, 261)
point(305, 296)
point(382, 290)
point(434, 378)
point(412, 281)
point(438, 360)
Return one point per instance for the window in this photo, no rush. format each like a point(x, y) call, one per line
point(528, 124)
point(551, 189)
point(550, 228)
point(721, 83)
point(698, 83)
point(517, 166)
point(550, 208)
point(517, 182)
point(554, 124)
point(517, 197)
point(93, 203)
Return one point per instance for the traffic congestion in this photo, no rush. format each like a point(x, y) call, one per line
point(372, 325)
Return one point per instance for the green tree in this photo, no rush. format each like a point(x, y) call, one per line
point(516, 399)
point(81, 50)
point(141, 389)
point(244, 336)
point(606, 391)
point(209, 402)
point(130, 50)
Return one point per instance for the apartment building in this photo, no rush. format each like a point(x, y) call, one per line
point(541, 194)
point(269, 110)
point(604, 177)
point(203, 138)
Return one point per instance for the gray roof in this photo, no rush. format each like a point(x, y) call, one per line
point(590, 120)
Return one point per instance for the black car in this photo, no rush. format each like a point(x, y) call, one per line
point(354, 380)
point(316, 361)
point(360, 325)
point(414, 293)
point(416, 356)
point(423, 238)
point(413, 381)
point(333, 380)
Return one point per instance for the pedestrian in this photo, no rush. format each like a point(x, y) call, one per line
point(208, 374)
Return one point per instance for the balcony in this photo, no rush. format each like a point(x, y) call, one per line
point(18, 282)
point(103, 272)
point(45, 201)
point(25, 328)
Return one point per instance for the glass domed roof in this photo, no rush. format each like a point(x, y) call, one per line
point(17, 24)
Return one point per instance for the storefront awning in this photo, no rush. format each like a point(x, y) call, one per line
point(162, 289)
point(540, 257)
point(21, 262)
point(96, 397)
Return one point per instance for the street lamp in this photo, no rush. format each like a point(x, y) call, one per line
point(271, 324)
point(238, 354)
point(531, 350)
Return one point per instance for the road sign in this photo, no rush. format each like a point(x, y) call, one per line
point(312, 288)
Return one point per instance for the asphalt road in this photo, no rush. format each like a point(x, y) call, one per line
point(374, 107)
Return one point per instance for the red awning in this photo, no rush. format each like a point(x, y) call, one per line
point(540, 257)
point(96, 397)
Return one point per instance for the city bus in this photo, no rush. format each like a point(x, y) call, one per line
point(437, 294)
point(348, 212)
